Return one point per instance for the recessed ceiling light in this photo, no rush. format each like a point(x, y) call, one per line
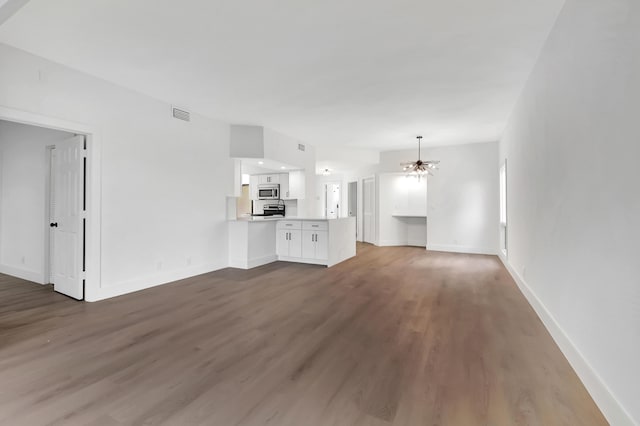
point(283, 167)
point(261, 162)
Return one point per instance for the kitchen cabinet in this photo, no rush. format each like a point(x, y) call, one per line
point(292, 185)
point(314, 241)
point(255, 180)
point(285, 194)
point(315, 245)
point(289, 239)
point(296, 185)
point(271, 178)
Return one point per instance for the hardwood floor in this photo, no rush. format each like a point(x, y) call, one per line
point(395, 336)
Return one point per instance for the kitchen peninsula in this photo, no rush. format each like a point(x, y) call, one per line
point(258, 241)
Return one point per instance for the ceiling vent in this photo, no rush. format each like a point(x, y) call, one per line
point(301, 147)
point(181, 114)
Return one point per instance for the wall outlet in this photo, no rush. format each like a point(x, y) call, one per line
point(189, 261)
point(524, 272)
point(159, 266)
point(23, 260)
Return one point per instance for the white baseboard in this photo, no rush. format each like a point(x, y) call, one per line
point(391, 243)
point(461, 249)
point(118, 289)
point(599, 391)
point(25, 274)
point(252, 263)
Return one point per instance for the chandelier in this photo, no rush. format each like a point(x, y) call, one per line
point(419, 168)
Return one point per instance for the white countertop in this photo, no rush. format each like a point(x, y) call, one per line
point(277, 218)
point(257, 219)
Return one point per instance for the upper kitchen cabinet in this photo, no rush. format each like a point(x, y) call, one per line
point(272, 178)
point(292, 185)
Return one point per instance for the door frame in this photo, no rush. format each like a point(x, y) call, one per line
point(374, 207)
point(326, 205)
point(92, 187)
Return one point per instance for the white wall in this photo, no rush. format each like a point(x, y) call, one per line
point(402, 195)
point(574, 196)
point(463, 195)
point(23, 176)
point(164, 181)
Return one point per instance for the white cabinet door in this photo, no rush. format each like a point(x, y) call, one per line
point(295, 243)
point(322, 245)
point(296, 185)
point(308, 244)
point(284, 186)
point(282, 242)
point(273, 178)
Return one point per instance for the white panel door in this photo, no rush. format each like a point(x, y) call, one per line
point(332, 200)
point(68, 235)
point(322, 245)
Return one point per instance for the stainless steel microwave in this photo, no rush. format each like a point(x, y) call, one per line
point(269, 191)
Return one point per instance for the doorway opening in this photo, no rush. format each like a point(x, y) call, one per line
point(332, 200)
point(369, 210)
point(43, 205)
point(353, 203)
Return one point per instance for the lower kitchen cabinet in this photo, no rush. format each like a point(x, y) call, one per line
point(316, 241)
point(315, 245)
point(289, 242)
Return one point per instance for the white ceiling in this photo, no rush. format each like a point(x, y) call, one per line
point(360, 73)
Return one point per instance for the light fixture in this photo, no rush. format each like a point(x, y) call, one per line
point(282, 167)
point(261, 162)
point(419, 167)
point(325, 172)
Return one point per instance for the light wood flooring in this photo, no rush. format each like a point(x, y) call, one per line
point(395, 336)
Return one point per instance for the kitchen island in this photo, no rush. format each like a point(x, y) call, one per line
point(258, 241)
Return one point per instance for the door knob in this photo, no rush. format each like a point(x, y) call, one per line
point(53, 224)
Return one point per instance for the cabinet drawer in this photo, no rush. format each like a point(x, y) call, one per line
point(315, 225)
point(289, 224)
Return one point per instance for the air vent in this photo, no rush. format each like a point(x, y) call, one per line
point(181, 114)
point(301, 147)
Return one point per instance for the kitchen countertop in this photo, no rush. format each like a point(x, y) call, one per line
point(276, 218)
point(257, 219)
